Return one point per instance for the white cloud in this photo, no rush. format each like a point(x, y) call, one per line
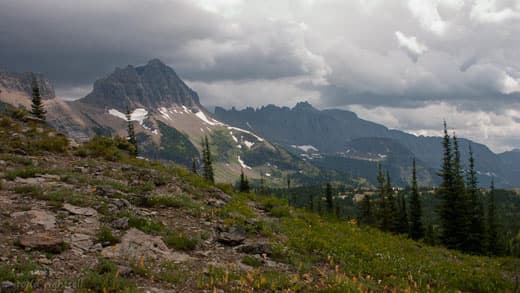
point(510, 85)
point(427, 14)
point(486, 11)
point(499, 131)
point(413, 47)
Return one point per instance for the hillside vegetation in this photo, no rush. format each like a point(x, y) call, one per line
point(91, 218)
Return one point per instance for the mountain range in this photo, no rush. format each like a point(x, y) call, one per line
point(268, 143)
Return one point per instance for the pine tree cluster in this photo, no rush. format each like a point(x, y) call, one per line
point(464, 224)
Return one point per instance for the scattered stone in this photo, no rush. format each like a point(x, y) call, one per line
point(215, 202)
point(136, 244)
point(251, 247)
point(44, 261)
point(120, 224)
point(51, 177)
point(121, 203)
point(43, 241)
point(38, 217)
point(217, 193)
point(81, 241)
point(232, 237)
point(80, 169)
point(89, 212)
point(124, 270)
point(29, 181)
point(7, 286)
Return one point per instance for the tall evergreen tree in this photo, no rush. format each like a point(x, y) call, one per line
point(244, 183)
point(328, 198)
point(194, 166)
point(402, 215)
point(391, 212)
point(208, 161)
point(366, 215)
point(492, 226)
point(311, 202)
point(382, 217)
point(476, 234)
point(460, 200)
point(448, 212)
point(37, 109)
point(131, 133)
point(416, 226)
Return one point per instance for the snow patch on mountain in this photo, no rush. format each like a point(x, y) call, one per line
point(305, 148)
point(243, 164)
point(138, 115)
point(245, 131)
point(248, 144)
point(164, 113)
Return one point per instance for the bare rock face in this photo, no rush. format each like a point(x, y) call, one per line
point(43, 241)
point(136, 245)
point(231, 236)
point(22, 82)
point(37, 217)
point(89, 212)
point(149, 86)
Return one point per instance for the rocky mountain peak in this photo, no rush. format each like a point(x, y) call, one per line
point(22, 82)
point(149, 86)
point(303, 106)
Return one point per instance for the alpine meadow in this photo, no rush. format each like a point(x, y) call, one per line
point(259, 146)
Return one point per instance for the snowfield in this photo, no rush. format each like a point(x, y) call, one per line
point(243, 164)
point(305, 148)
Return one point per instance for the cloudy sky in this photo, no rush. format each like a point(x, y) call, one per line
point(408, 64)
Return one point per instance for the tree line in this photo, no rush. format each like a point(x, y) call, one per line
point(464, 223)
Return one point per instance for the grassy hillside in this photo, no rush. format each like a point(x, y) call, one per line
point(123, 224)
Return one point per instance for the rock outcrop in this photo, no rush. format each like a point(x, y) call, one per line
point(150, 86)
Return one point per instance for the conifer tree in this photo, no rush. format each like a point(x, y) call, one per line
point(366, 215)
point(37, 109)
point(244, 183)
point(402, 215)
point(328, 198)
point(416, 226)
point(448, 210)
point(207, 160)
point(382, 204)
point(131, 133)
point(194, 166)
point(391, 213)
point(461, 200)
point(288, 182)
point(492, 226)
point(476, 234)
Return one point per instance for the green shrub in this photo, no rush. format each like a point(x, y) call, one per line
point(27, 172)
point(251, 261)
point(20, 272)
point(105, 278)
point(111, 149)
point(180, 241)
point(32, 190)
point(104, 235)
point(178, 201)
point(280, 211)
point(57, 144)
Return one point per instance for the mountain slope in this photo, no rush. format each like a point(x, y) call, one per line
point(90, 218)
point(331, 132)
point(169, 120)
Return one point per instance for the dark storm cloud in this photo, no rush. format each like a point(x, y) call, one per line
point(75, 42)
point(375, 54)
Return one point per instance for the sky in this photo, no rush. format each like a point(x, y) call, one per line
point(408, 64)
